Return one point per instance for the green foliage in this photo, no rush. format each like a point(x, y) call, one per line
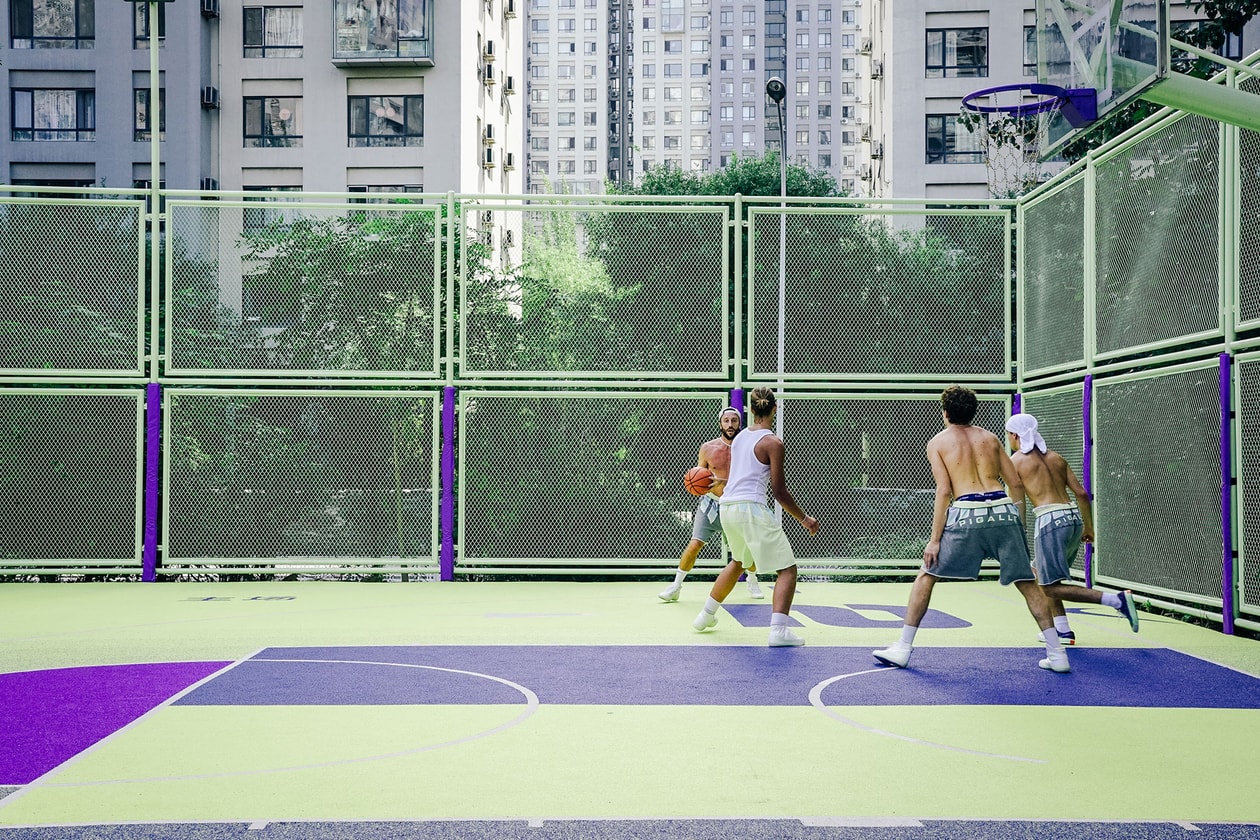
point(751, 176)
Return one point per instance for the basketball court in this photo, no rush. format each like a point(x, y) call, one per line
point(541, 709)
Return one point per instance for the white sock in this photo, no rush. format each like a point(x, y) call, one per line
point(778, 619)
point(1051, 639)
point(752, 577)
point(679, 577)
point(711, 605)
point(907, 635)
point(1111, 599)
point(1061, 624)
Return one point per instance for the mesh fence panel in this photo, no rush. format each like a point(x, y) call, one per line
point(1249, 221)
point(580, 477)
point(1053, 263)
point(69, 479)
point(870, 295)
point(1059, 419)
point(1156, 238)
point(280, 287)
point(1248, 426)
point(70, 285)
point(638, 290)
point(1157, 481)
point(857, 464)
point(299, 479)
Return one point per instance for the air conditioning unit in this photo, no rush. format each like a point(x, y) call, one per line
point(209, 8)
point(866, 133)
point(487, 218)
point(487, 76)
point(487, 135)
point(209, 97)
point(865, 45)
point(509, 85)
point(877, 69)
point(844, 121)
point(509, 9)
point(487, 52)
point(509, 161)
point(487, 161)
point(864, 171)
point(209, 183)
point(509, 238)
point(877, 150)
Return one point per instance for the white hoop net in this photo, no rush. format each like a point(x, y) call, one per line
point(1011, 139)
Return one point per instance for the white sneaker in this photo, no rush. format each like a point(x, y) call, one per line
point(1059, 664)
point(754, 590)
point(704, 621)
point(671, 593)
point(898, 655)
point(782, 636)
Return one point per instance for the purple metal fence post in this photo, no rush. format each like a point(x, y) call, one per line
point(152, 448)
point(446, 554)
point(1227, 517)
point(1087, 465)
point(1017, 403)
point(737, 402)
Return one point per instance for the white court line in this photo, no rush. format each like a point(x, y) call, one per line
point(531, 706)
point(815, 700)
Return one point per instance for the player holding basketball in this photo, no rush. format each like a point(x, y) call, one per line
point(973, 518)
point(1061, 525)
point(715, 456)
point(753, 532)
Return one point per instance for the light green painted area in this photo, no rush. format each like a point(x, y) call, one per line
point(205, 763)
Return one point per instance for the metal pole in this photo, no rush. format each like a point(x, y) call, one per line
point(155, 193)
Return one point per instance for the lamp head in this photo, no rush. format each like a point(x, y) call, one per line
point(775, 89)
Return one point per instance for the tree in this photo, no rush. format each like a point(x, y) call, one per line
point(742, 176)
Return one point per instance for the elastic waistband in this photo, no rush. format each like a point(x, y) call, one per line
point(734, 502)
point(991, 496)
point(989, 503)
point(1052, 508)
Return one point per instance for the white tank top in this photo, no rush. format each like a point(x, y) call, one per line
point(749, 478)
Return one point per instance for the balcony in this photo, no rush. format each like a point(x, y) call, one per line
point(370, 33)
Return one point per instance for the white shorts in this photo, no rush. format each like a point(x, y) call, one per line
point(755, 537)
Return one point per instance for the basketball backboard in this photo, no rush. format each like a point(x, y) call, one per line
point(1117, 47)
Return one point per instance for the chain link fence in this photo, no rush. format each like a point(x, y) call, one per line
point(1249, 222)
point(1247, 407)
point(1052, 294)
point(1059, 412)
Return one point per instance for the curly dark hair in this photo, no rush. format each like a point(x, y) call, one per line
point(960, 404)
point(762, 402)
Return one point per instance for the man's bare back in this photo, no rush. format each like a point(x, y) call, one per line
point(716, 456)
point(1045, 476)
point(972, 459)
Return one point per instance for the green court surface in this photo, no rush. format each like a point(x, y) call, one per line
point(431, 702)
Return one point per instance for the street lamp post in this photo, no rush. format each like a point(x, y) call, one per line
point(777, 91)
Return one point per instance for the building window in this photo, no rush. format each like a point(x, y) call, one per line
point(749, 112)
point(140, 25)
point(540, 144)
point(802, 14)
point(957, 52)
point(400, 28)
point(802, 40)
point(386, 121)
point(824, 15)
point(273, 32)
point(588, 144)
point(948, 142)
point(53, 24)
point(267, 315)
point(143, 116)
point(1030, 51)
point(802, 87)
point(54, 114)
point(824, 40)
point(802, 136)
point(802, 64)
point(273, 121)
point(824, 137)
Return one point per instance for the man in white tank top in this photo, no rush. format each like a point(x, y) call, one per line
point(752, 531)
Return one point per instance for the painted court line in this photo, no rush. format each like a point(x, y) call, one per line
point(815, 700)
point(531, 706)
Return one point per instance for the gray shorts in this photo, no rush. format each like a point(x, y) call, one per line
point(706, 525)
point(978, 530)
point(1058, 541)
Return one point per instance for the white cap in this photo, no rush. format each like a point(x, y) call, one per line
point(1025, 425)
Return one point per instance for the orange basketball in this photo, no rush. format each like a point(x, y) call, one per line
point(698, 480)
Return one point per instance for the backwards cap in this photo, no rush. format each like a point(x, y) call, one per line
point(730, 408)
point(1025, 425)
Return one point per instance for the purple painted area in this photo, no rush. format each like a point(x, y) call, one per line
point(737, 401)
point(1227, 523)
point(446, 558)
point(50, 716)
point(1017, 403)
point(152, 448)
point(1087, 464)
point(723, 676)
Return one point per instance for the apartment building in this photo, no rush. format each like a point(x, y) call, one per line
point(322, 95)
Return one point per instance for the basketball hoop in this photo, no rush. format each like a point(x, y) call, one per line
point(1010, 122)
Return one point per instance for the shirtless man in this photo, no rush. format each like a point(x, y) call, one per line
point(714, 455)
point(1061, 525)
point(973, 518)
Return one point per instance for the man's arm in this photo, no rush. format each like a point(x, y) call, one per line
point(1083, 503)
point(1010, 477)
point(940, 509)
point(772, 447)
